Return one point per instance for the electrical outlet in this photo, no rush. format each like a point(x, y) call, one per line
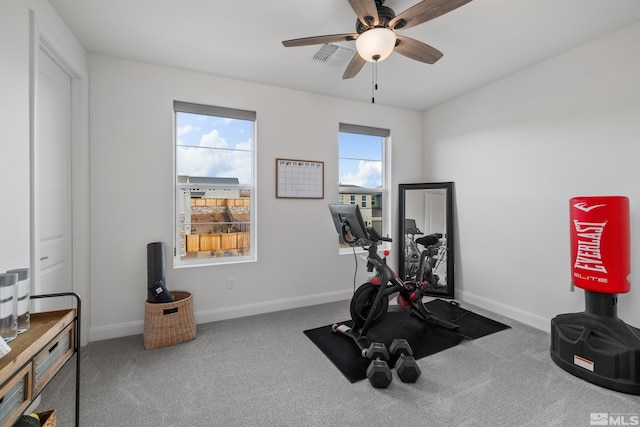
point(231, 282)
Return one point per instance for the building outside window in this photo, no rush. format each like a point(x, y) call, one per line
point(215, 185)
point(362, 172)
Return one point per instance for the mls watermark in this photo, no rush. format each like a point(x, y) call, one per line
point(613, 419)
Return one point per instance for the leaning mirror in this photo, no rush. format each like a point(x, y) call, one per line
point(425, 252)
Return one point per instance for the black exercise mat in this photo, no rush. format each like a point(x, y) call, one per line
point(425, 339)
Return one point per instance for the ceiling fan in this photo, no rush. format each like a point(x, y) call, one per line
point(376, 36)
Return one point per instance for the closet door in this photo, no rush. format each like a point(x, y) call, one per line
point(52, 181)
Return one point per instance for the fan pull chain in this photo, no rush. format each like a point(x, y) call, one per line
point(374, 81)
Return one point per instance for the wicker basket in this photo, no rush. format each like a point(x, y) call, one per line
point(48, 418)
point(169, 323)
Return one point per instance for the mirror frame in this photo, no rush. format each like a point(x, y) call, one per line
point(448, 292)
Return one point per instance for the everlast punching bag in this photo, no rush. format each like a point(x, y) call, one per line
point(596, 345)
point(156, 281)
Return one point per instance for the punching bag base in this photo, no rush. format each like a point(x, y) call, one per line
point(602, 350)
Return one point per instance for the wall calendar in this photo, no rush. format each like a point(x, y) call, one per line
point(302, 179)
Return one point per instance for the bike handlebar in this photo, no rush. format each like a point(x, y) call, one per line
point(376, 236)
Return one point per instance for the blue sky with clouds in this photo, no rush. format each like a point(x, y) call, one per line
point(360, 160)
point(214, 147)
point(220, 147)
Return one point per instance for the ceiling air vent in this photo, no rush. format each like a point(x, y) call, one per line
point(331, 53)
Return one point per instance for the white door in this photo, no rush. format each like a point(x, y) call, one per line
point(435, 209)
point(52, 183)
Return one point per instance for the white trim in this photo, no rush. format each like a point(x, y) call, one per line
point(531, 319)
point(57, 56)
point(224, 313)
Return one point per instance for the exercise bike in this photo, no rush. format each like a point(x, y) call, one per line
point(421, 265)
point(370, 302)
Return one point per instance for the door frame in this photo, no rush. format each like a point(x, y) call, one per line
point(80, 202)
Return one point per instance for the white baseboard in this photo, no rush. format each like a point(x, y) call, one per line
point(136, 328)
point(533, 320)
point(100, 333)
point(270, 306)
point(118, 330)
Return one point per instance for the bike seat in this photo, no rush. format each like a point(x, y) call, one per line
point(429, 240)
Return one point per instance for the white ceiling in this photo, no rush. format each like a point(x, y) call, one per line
point(482, 41)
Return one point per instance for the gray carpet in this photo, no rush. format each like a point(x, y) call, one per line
point(263, 371)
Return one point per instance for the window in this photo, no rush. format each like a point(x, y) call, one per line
point(215, 185)
point(362, 172)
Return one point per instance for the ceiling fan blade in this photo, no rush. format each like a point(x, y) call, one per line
point(307, 41)
point(365, 9)
point(417, 50)
point(424, 11)
point(354, 67)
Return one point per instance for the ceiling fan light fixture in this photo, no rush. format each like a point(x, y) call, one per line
point(376, 44)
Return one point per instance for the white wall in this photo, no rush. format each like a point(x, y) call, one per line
point(23, 24)
point(518, 150)
point(14, 135)
point(132, 189)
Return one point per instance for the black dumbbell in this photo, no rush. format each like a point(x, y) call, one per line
point(378, 372)
point(406, 366)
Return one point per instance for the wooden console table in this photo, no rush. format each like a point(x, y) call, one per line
point(36, 356)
